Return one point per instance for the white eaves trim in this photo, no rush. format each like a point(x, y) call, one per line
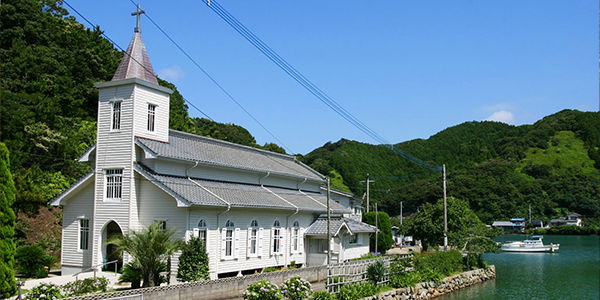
point(181, 202)
point(58, 200)
point(85, 157)
point(147, 152)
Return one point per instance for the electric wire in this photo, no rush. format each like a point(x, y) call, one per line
point(214, 81)
point(308, 85)
point(124, 51)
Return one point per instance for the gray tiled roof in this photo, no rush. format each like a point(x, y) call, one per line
point(219, 193)
point(319, 227)
point(135, 62)
point(192, 147)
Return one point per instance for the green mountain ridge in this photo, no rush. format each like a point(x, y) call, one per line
point(554, 165)
point(48, 118)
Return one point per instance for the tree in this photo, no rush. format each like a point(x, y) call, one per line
point(465, 230)
point(150, 248)
point(7, 226)
point(193, 262)
point(384, 237)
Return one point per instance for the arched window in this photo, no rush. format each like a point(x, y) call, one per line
point(229, 238)
point(277, 239)
point(295, 237)
point(253, 239)
point(202, 230)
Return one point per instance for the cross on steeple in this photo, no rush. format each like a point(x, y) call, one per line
point(138, 13)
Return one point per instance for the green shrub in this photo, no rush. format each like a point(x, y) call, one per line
point(44, 291)
point(367, 256)
point(193, 262)
point(262, 290)
point(406, 279)
point(571, 230)
point(85, 286)
point(133, 274)
point(376, 271)
point(428, 274)
point(322, 295)
point(295, 288)
point(31, 260)
point(357, 291)
point(445, 263)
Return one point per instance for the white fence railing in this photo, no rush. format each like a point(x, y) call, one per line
point(356, 271)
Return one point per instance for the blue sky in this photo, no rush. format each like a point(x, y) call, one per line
point(406, 69)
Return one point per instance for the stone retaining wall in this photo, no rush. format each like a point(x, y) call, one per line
point(226, 288)
point(428, 290)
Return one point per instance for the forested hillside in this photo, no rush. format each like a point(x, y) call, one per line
point(49, 104)
point(48, 118)
point(554, 165)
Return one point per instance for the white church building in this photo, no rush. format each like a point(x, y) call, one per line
point(254, 208)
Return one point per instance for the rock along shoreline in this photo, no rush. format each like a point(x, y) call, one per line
point(429, 290)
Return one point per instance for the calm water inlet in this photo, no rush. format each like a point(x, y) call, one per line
point(573, 272)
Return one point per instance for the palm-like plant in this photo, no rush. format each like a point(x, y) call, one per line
point(150, 248)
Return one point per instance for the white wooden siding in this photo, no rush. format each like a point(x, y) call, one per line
point(352, 251)
point(144, 96)
point(79, 205)
point(242, 219)
point(154, 204)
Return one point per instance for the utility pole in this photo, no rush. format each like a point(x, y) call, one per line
point(445, 212)
point(400, 213)
point(368, 181)
point(328, 223)
point(530, 213)
point(376, 227)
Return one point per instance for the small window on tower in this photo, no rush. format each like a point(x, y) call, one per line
point(151, 116)
point(114, 184)
point(116, 116)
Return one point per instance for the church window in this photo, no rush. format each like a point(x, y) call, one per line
point(84, 234)
point(151, 116)
point(229, 238)
point(277, 241)
point(295, 237)
point(116, 116)
point(162, 225)
point(202, 231)
point(253, 239)
point(114, 184)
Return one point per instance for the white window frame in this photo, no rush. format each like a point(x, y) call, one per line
point(277, 242)
point(201, 231)
point(115, 119)
point(253, 239)
point(162, 224)
point(83, 235)
point(295, 240)
point(230, 240)
point(151, 117)
point(113, 185)
point(353, 239)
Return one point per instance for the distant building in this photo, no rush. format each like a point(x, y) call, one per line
point(572, 219)
point(515, 224)
point(537, 223)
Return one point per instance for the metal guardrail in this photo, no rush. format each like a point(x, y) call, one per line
point(93, 267)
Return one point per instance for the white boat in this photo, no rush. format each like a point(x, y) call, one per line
point(534, 244)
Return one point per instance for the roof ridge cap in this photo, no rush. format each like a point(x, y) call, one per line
point(218, 141)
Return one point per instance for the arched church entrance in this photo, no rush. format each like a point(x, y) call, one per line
point(109, 253)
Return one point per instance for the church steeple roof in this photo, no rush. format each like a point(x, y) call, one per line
point(136, 63)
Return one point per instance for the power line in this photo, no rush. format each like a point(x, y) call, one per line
point(308, 85)
point(124, 51)
point(214, 81)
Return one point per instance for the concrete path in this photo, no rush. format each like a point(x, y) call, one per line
point(60, 280)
